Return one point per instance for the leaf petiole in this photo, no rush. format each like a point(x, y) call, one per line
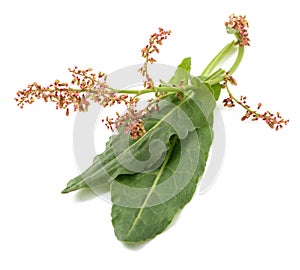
point(237, 61)
point(218, 73)
point(226, 51)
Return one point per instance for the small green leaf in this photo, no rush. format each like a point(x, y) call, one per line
point(205, 98)
point(216, 90)
point(186, 64)
point(182, 72)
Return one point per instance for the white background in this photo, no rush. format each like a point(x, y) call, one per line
point(248, 220)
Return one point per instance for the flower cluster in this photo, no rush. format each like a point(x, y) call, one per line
point(154, 40)
point(132, 120)
point(238, 25)
point(85, 87)
point(228, 102)
point(228, 79)
point(273, 120)
point(102, 94)
point(61, 93)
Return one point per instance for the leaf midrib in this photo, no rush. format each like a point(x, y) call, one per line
point(157, 178)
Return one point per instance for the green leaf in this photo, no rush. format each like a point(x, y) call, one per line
point(216, 88)
point(186, 64)
point(126, 156)
point(145, 204)
point(204, 98)
point(182, 72)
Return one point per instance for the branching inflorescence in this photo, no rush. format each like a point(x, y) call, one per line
point(238, 25)
point(155, 40)
point(87, 86)
point(61, 93)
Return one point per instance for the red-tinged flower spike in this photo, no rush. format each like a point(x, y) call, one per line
point(272, 120)
point(61, 93)
point(85, 87)
point(155, 40)
point(238, 25)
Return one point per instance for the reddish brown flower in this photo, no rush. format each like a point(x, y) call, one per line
point(272, 120)
point(132, 121)
point(238, 25)
point(155, 40)
point(62, 94)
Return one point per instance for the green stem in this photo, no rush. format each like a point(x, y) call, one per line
point(161, 89)
point(218, 58)
point(240, 103)
point(150, 90)
point(237, 60)
point(216, 74)
point(214, 81)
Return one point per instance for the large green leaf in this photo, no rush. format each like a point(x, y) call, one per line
point(126, 156)
point(144, 204)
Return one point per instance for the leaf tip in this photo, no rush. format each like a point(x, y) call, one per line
point(65, 191)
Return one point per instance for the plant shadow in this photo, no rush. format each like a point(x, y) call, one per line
point(135, 246)
point(101, 191)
